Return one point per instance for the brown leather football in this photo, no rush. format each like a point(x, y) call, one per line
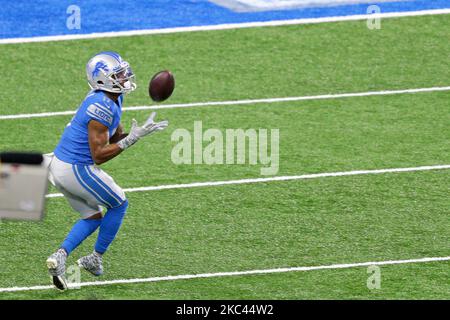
point(161, 86)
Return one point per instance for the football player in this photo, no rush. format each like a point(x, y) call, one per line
point(95, 136)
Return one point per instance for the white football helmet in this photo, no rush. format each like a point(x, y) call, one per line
point(107, 71)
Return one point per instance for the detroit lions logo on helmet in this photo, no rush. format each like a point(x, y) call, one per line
point(99, 66)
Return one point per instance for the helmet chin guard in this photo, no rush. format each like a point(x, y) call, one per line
point(107, 71)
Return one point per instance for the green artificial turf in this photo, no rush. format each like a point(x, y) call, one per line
point(314, 222)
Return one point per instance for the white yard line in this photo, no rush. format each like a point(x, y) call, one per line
point(272, 23)
point(270, 179)
point(230, 274)
point(252, 272)
point(239, 102)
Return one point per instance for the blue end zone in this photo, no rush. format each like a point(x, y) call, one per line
point(45, 18)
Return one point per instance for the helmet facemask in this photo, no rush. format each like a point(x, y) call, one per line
point(122, 79)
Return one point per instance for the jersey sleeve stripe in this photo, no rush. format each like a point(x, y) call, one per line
point(107, 122)
point(105, 109)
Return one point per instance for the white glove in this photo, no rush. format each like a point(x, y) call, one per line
point(136, 132)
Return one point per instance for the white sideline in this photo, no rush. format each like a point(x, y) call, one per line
point(229, 274)
point(272, 23)
point(270, 179)
point(238, 102)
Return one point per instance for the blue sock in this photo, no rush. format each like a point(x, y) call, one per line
point(80, 231)
point(110, 226)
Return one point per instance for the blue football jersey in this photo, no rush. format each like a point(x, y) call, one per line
point(74, 144)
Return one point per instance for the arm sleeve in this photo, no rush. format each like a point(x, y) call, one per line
point(100, 113)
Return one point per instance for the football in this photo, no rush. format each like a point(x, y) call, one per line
point(161, 86)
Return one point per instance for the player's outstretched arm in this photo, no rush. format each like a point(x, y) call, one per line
point(137, 132)
point(101, 151)
point(118, 135)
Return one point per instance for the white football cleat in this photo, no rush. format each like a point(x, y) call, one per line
point(56, 265)
point(92, 263)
